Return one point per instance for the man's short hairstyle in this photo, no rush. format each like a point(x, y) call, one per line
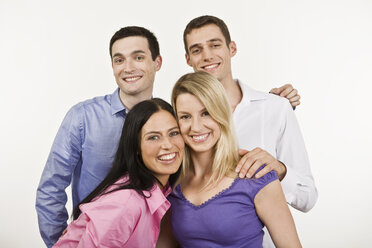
point(202, 21)
point(137, 31)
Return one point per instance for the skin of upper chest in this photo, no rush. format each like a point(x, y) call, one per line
point(196, 193)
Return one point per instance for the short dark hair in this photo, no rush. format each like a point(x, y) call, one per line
point(128, 159)
point(202, 21)
point(137, 31)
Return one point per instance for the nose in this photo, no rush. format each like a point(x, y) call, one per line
point(129, 66)
point(166, 143)
point(207, 54)
point(195, 124)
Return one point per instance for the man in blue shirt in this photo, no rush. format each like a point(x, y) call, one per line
point(84, 148)
point(85, 145)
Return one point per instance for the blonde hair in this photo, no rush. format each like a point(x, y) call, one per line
point(212, 95)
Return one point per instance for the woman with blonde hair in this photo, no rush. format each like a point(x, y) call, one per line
point(211, 206)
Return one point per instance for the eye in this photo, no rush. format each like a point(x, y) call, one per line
point(216, 45)
point(174, 133)
point(140, 58)
point(184, 117)
point(205, 113)
point(153, 137)
point(195, 51)
point(118, 60)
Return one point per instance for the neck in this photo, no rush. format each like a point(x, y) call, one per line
point(163, 181)
point(202, 163)
point(130, 100)
point(233, 92)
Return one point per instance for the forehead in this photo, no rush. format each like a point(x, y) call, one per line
point(129, 44)
point(204, 34)
point(187, 102)
point(158, 122)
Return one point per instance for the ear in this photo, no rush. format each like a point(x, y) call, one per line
point(187, 57)
point(158, 62)
point(233, 48)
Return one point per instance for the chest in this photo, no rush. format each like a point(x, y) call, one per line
point(230, 219)
point(197, 194)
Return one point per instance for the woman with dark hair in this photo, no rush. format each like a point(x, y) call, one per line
point(125, 210)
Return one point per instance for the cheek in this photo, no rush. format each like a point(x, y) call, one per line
point(180, 143)
point(218, 131)
point(148, 152)
point(183, 127)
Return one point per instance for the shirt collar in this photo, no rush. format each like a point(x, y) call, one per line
point(250, 94)
point(158, 197)
point(116, 104)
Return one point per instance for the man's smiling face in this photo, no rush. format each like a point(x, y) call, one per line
point(133, 67)
point(208, 51)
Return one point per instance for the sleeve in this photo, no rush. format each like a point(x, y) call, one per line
point(298, 184)
point(109, 226)
point(105, 222)
point(259, 183)
point(51, 197)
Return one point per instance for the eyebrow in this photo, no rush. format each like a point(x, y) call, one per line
point(158, 132)
point(186, 112)
point(132, 53)
point(208, 41)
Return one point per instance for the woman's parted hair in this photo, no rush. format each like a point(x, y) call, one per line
point(128, 159)
point(212, 95)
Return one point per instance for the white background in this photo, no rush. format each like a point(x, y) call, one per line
point(54, 54)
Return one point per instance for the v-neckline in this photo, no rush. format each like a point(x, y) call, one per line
point(216, 196)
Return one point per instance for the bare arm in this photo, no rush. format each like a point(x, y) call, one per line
point(273, 211)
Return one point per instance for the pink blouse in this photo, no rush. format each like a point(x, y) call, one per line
point(122, 218)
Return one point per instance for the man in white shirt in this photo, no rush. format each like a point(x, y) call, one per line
point(265, 124)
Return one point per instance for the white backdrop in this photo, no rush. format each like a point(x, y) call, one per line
point(54, 54)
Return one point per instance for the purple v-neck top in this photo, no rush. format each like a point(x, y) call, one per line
point(229, 219)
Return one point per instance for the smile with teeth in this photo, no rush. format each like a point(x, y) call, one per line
point(210, 67)
point(200, 138)
point(167, 157)
point(131, 79)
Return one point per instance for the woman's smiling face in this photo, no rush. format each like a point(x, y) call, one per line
point(199, 130)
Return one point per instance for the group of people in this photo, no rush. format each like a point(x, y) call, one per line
point(214, 169)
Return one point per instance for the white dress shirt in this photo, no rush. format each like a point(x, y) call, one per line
point(267, 121)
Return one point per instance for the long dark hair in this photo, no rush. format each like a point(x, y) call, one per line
point(128, 159)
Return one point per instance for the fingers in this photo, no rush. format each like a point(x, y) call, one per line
point(242, 152)
point(286, 90)
point(294, 104)
point(251, 158)
point(263, 171)
point(253, 169)
point(291, 94)
point(275, 91)
point(295, 98)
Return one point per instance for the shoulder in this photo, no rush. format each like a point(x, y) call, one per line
point(275, 102)
point(278, 102)
point(115, 207)
point(94, 102)
point(253, 185)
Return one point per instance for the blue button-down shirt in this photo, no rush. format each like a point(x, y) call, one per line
point(81, 155)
